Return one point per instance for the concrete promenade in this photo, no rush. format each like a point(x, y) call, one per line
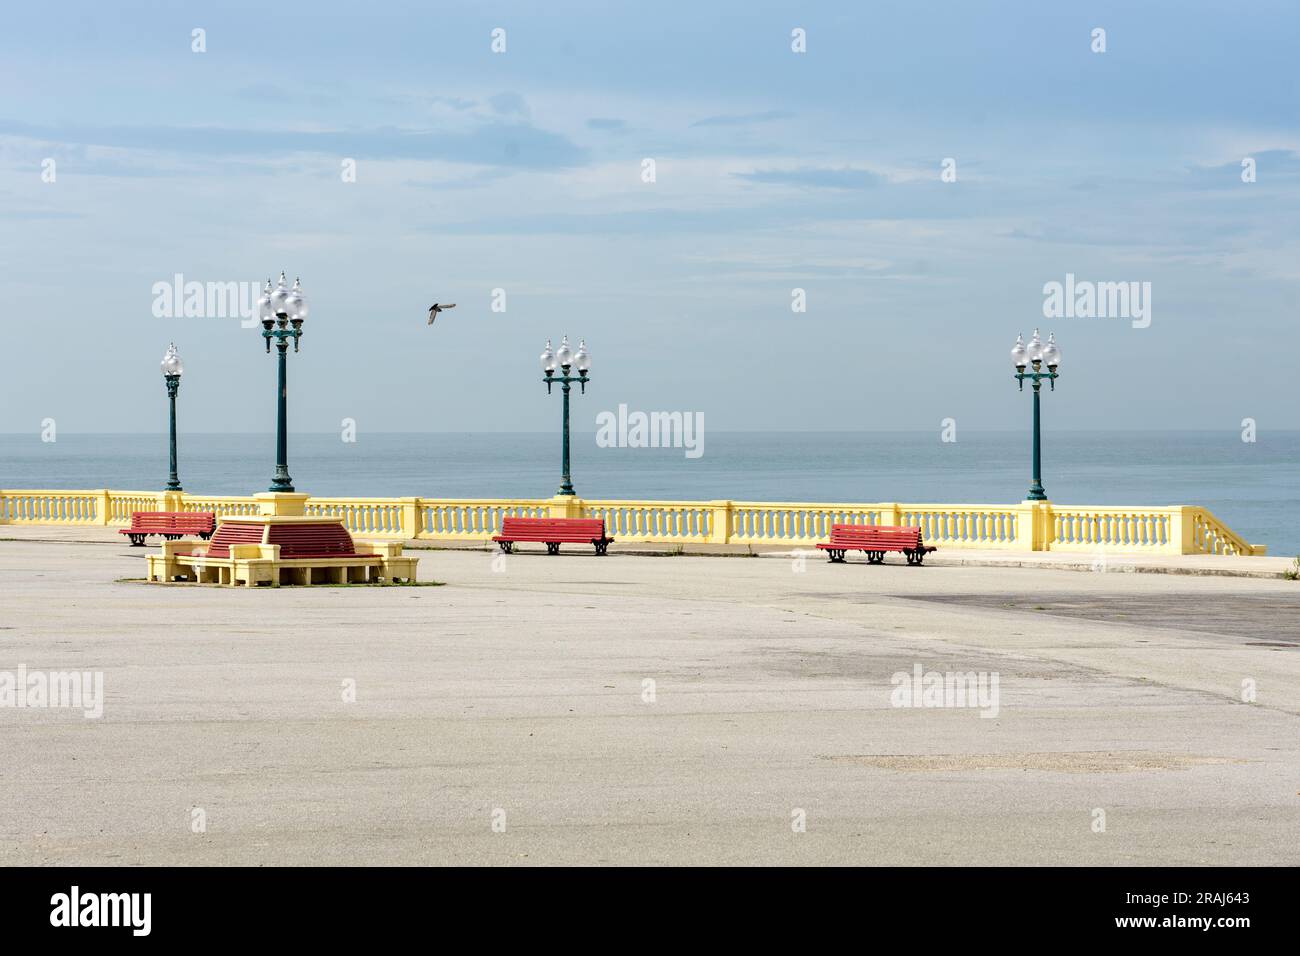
point(517, 694)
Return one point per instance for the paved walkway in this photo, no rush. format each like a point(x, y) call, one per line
point(638, 709)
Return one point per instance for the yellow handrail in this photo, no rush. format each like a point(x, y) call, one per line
point(1026, 526)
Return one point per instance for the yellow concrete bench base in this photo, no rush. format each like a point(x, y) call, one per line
point(254, 564)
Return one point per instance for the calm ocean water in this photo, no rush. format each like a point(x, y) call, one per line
point(1255, 488)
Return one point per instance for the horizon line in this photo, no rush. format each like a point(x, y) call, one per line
point(723, 431)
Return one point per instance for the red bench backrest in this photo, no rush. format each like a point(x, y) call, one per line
point(859, 534)
point(173, 521)
point(586, 528)
point(234, 532)
point(301, 538)
point(196, 520)
point(329, 538)
point(152, 520)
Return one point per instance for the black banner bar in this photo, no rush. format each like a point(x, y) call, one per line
point(333, 905)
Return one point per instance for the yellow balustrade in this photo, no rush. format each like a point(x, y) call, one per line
point(653, 522)
point(764, 522)
point(53, 507)
point(118, 505)
point(1209, 535)
point(378, 516)
point(1120, 529)
point(223, 506)
point(1026, 526)
point(455, 519)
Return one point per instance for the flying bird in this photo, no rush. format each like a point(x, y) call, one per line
point(436, 308)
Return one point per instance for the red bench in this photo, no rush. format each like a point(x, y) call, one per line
point(170, 524)
point(875, 540)
point(553, 532)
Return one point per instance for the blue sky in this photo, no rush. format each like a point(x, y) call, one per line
point(774, 170)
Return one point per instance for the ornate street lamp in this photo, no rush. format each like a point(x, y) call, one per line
point(566, 359)
point(172, 367)
point(282, 311)
point(1036, 354)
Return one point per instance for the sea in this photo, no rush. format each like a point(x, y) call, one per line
point(1252, 486)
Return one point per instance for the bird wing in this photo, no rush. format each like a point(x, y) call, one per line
point(452, 306)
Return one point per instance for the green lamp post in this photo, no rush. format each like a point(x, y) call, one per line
point(282, 311)
point(172, 367)
point(566, 359)
point(1036, 354)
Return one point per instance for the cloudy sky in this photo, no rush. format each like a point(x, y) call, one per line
point(774, 170)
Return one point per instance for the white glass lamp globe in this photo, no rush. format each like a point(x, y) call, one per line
point(296, 304)
point(264, 310)
point(1035, 348)
point(1051, 353)
point(1018, 354)
point(548, 358)
point(583, 358)
point(171, 362)
point(565, 354)
point(280, 298)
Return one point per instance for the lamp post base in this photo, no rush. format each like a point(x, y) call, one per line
point(1036, 493)
point(281, 504)
point(566, 490)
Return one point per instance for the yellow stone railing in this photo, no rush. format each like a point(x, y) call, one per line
point(454, 519)
point(1026, 526)
point(224, 506)
point(55, 507)
point(1211, 536)
point(372, 516)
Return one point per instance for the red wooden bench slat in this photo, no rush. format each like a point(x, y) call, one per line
point(193, 521)
point(902, 540)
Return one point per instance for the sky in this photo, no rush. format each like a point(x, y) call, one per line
point(518, 178)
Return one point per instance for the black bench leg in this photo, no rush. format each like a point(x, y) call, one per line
point(137, 540)
point(836, 557)
point(507, 547)
point(552, 547)
point(601, 547)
